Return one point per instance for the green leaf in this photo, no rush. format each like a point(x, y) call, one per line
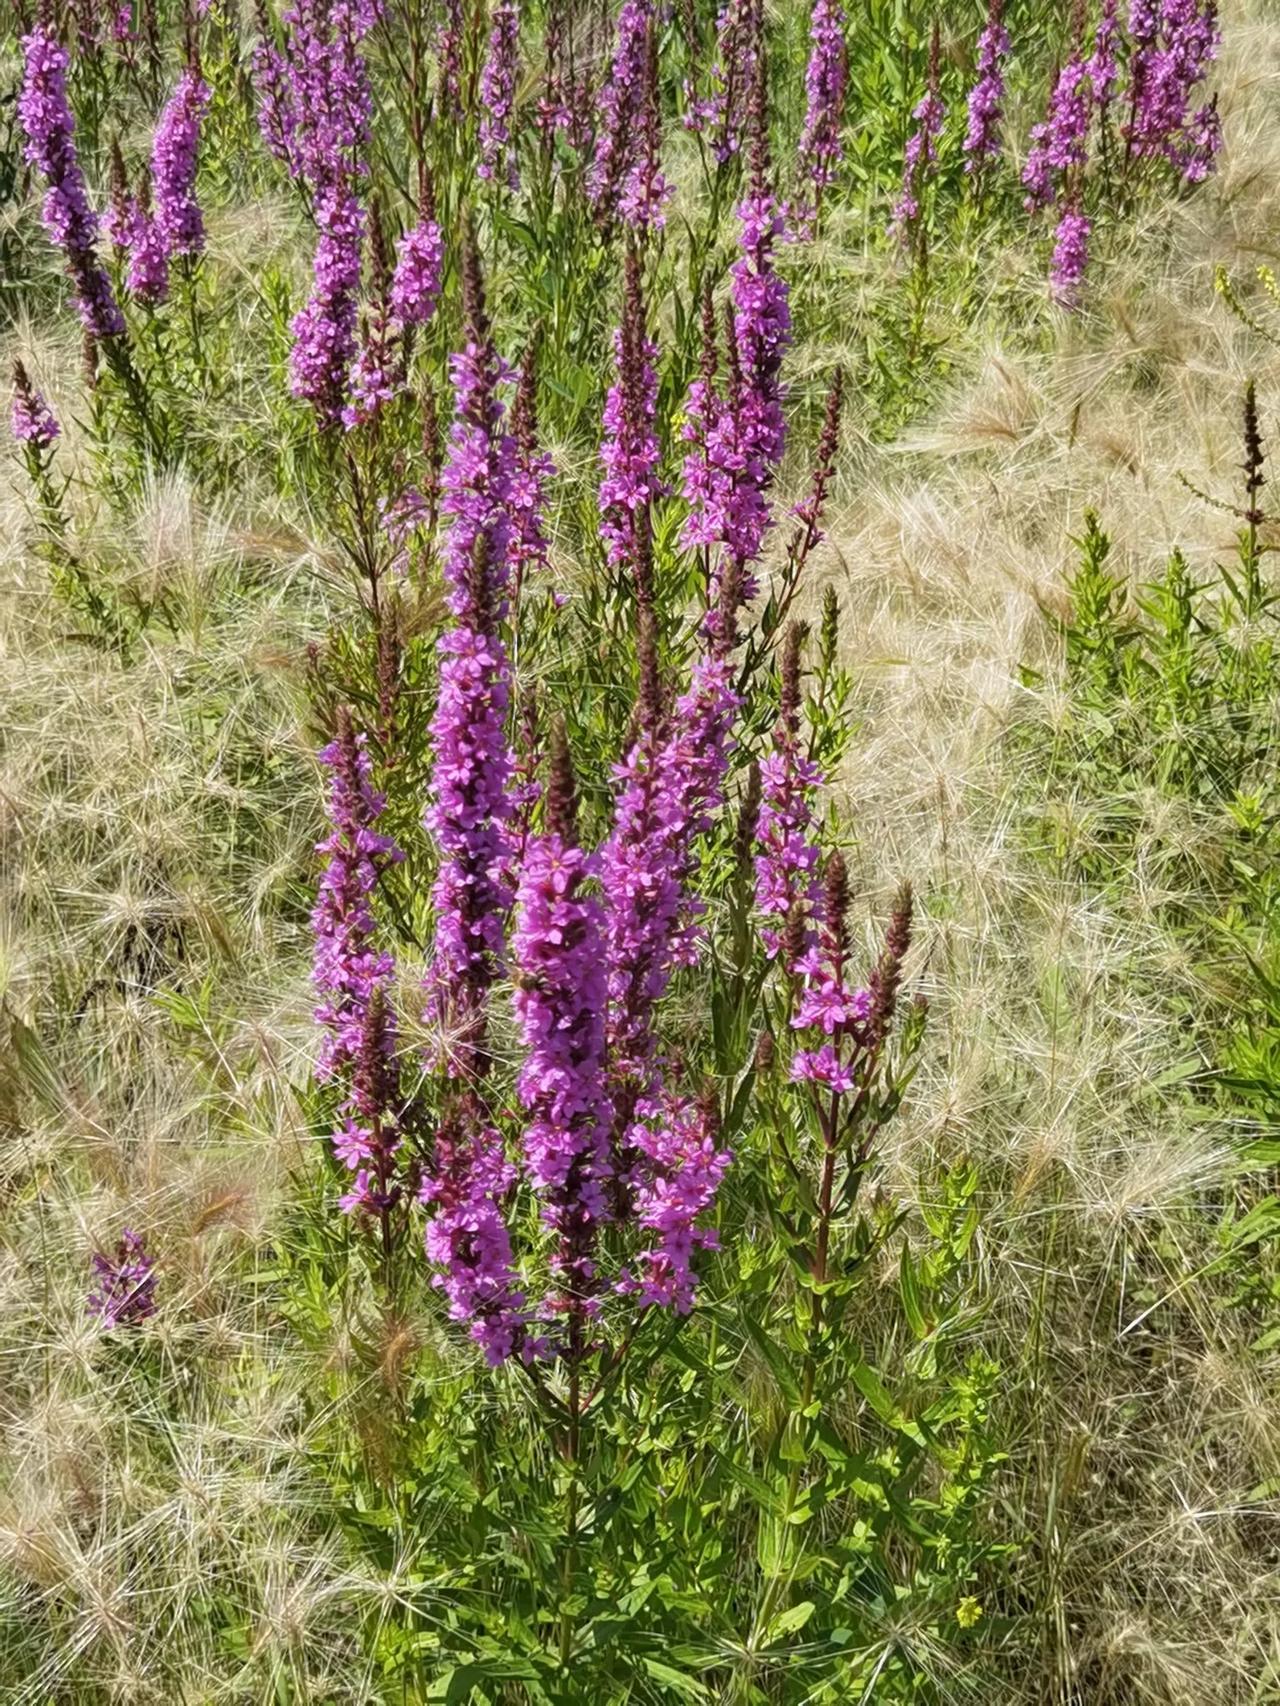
point(680, 1680)
point(789, 1622)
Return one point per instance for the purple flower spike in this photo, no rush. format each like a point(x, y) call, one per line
point(45, 116)
point(126, 1284)
point(826, 79)
point(497, 96)
point(630, 451)
point(1103, 66)
point(1059, 144)
point(624, 177)
point(561, 991)
point(1174, 46)
point(173, 166)
point(467, 1237)
point(469, 806)
point(986, 98)
point(682, 1168)
point(921, 157)
point(31, 418)
point(787, 862)
point(415, 286)
point(1070, 258)
point(324, 333)
point(148, 275)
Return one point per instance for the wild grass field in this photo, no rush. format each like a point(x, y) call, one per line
point(805, 1058)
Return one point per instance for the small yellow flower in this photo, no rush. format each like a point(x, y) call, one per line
point(968, 1612)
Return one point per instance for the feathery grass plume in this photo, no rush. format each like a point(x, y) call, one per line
point(561, 989)
point(920, 159)
point(982, 140)
point(821, 142)
point(498, 94)
point(44, 113)
point(126, 1283)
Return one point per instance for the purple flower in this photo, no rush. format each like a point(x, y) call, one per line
point(1070, 257)
point(826, 77)
point(415, 286)
point(921, 156)
point(45, 116)
point(560, 996)
point(787, 861)
point(30, 416)
point(449, 55)
point(277, 119)
point(324, 332)
point(762, 320)
point(173, 165)
point(1060, 142)
point(148, 275)
point(1171, 58)
point(469, 807)
point(1103, 66)
point(531, 470)
point(739, 36)
point(986, 98)
point(126, 1284)
point(828, 1004)
point(822, 1066)
point(682, 1169)
point(497, 95)
point(467, 1236)
point(348, 969)
point(629, 451)
point(624, 176)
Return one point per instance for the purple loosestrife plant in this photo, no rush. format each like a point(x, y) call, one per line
point(348, 967)
point(45, 115)
point(721, 112)
point(469, 807)
point(1171, 58)
point(683, 1168)
point(1104, 66)
point(174, 158)
point(1059, 145)
point(787, 862)
point(378, 371)
point(125, 1282)
point(619, 129)
point(531, 471)
point(921, 157)
point(30, 416)
point(498, 94)
point(415, 285)
point(1070, 256)
point(561, 990)
point(645, 191)
point(277, 120)
point(629, 450)
point(324, 331)
point(147, 279)
point(826, 79)
point(986, 98)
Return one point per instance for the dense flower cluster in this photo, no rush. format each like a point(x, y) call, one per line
point(560, 996)
point(173, 166)
point(624, 176)
point(126, 1283)
point(787, 863)
point(46, 119)
point(1174, 47)
point(324, 331)
point(986, 98)
point(826, 77)
point(415, 285)
point(1070, 257)
point(682, 1169)
point(1060, 142)
point(498, 94)
point(467, 1238)
point(629, 450)
point(721, 113)
point(531, 469)
point(30, 417)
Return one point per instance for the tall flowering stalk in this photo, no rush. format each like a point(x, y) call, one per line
point(787, 862)
point(497, 95)
point(721, 112)
point(560, 998)
point(624, 179)
point(629, 450)
point(683, 1167)
point(921, 157)
point(30, 417)
point(645, 191)
point(379, 367)
point(826, 78)
point(45, 115)
point(1174, 45)
point(986, 98)
point(531, 470)
point(1070, 255)
point(174, 158)
point(1059, 144)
